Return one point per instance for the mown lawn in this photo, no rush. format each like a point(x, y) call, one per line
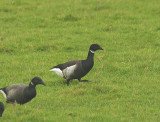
point(125, 80)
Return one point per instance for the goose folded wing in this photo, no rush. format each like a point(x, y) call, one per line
point(67, 64)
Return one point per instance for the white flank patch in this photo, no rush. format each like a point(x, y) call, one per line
point(92, 51)
point(69, 71)
point(57, 71)
point(3, 93)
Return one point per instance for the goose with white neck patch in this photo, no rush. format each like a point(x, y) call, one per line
point(21, 93)
point(76, 69)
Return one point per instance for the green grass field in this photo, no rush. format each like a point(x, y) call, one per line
point(125, 80)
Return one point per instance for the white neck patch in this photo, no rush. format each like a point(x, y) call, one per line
point(92, 51)
point(3, 93)
point(32, 83)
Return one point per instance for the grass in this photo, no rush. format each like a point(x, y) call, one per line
point(124, 83)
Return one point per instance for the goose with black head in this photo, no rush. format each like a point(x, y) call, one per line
point(76, 69)
point(21, 93)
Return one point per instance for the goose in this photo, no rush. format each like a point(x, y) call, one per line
point(76, 69)
point(21, 93)
point(1, 108)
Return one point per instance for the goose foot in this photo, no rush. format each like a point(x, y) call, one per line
point(83, 80)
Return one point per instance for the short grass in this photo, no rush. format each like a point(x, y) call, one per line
point(125, 81)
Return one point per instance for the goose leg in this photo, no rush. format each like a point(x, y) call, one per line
point(68, 82)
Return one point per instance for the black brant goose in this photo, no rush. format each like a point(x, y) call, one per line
point(76, 69)
point(1, 108)
point(21, 93)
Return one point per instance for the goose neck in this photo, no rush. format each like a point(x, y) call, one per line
point(90, 55)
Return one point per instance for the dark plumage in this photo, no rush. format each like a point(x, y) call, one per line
point(1, 108)
point(76, 69)
point(21, 93)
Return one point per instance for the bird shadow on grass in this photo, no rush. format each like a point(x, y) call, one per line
point(64, 82)
point(58, 83)
point(69, 18)
point(72, 115)
point(6, 50)
point(46, 48)
point(158, 29)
